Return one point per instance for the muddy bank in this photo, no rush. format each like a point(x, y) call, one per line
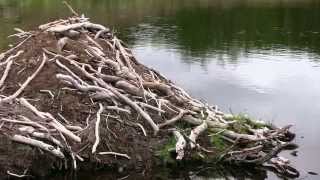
point(74, 97)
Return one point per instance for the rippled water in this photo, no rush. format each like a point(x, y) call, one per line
point(255, 56)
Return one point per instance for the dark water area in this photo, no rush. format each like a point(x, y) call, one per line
point(260, 57)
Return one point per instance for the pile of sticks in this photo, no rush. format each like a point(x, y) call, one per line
point(91, 61)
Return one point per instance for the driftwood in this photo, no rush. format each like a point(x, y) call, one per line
point(107, 81)
point(39, 144)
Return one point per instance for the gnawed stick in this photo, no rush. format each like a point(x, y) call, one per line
point(196, 132)
point(70, 72)
point(196, 121)
point(123, 52)
point(16, 47)
point(99, 33)
point(174, 119)
point(24, 175)
point(116, 108)
point(62, 43)
point(25, 84)
point(30, 123)
point(68, 147)
point(142, 128)
point(5, 73)
point(115, 154)
point(94, 42)
point(97, 126)
point(74, 128)
point(62, 28)
point(39, 144)
point(85, 88)
point(151, 107)
point(70, 8)
point(52, 121)
point(47, 91)
point(144, 114)
point(53, 23)
point(10, 58)
point(120, 96)
point(32, 131)
point(180, 145)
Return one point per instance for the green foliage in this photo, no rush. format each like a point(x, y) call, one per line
point(243, 123)
point(165, 152)
point(218, 142)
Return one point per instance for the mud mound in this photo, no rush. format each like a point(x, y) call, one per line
point(74, 96)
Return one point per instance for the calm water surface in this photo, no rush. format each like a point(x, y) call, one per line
point(261, 57)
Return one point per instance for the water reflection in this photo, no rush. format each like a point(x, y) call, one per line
point(260, 57)
point(200, 32)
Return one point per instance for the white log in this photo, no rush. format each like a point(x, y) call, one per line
point(32, 131)
point(62, 28)
point(196, 132)
point(97, 126)
point(180, 145)
point(74, 128)
point(100, 33)
point(39, 144)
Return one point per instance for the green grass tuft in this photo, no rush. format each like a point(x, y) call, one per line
point(165, 152)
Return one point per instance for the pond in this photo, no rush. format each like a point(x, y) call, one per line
point(260, 57)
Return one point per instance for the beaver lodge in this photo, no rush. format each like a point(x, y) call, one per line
point(74, 97)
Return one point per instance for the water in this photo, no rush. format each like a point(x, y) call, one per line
point(255, 56)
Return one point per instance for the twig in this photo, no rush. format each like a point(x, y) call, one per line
point(31, 123)
point(116, 154)
point(16, 47)
point(63, 118)
point(5, 73)
point(118, 109)
point(96, 143)
point(120, 96)
point(24, 175)
point(174, 119)
point(30, 130)
point(70, 8)
point(52, 121)
point(151, 107)
point(142, 128)
point(49, 92)
point(39, 144)
point(10, 58)
point(24, 85)
point(70, 151)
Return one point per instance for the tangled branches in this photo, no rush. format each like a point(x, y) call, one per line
point(103, 99)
